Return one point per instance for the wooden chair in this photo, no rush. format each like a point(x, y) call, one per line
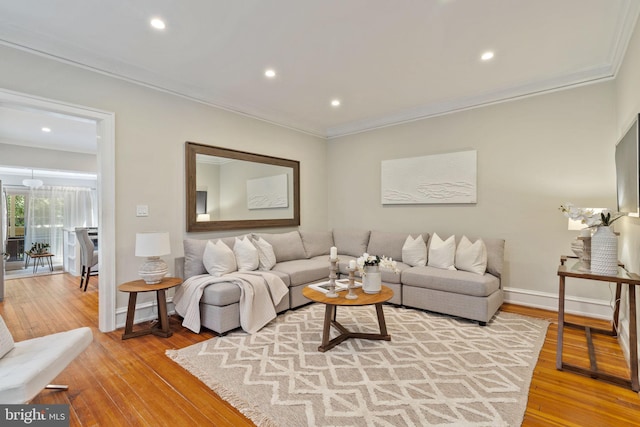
point(88, 255)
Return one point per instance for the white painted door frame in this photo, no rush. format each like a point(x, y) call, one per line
point(106, 191)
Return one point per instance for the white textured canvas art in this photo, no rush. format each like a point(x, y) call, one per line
point(268, 192)
point(438, 178)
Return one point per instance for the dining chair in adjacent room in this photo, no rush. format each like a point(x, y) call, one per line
point(88, 255)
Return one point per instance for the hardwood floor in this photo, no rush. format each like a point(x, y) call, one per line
point(132, 382)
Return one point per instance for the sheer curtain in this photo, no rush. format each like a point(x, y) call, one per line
point(52, 209)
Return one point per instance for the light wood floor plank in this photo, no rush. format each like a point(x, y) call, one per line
point(132, 382)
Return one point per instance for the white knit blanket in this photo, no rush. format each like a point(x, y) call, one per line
point(260, 292)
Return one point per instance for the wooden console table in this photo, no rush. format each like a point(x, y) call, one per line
point(568, 268)
point(162, 328)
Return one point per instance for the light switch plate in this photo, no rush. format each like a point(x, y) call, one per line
point(142, 210)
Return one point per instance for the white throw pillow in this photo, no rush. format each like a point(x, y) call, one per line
point(471, 256)
point(266, 256)
point(442, 254)
point(6, 340)
point(218, 259)
point(414, 251)
point(246, 254)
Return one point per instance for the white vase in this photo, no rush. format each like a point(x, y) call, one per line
point(604, 252)
point(371, 279)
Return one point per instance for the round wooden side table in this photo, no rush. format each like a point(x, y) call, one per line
point(160, 329)
point(331, 305)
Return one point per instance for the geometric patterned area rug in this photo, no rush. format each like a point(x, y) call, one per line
point(436, 370)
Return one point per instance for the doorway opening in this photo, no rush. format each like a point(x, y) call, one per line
point(105, 133)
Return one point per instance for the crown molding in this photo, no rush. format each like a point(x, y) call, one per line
point(564, 82)
point(627, 22)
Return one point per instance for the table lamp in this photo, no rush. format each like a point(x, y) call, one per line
point(152, 245)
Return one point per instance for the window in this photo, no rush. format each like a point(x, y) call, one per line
point(16, 226)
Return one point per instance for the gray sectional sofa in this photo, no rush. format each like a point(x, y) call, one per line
point(302, 258)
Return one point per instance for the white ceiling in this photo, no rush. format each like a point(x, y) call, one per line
point(387, 61)
point(19, 126)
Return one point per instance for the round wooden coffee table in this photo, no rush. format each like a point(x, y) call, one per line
point(331, 305)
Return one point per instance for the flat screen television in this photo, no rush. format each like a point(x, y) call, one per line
point(628, 172)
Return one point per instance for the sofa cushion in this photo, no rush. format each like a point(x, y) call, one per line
point(382, 243)
point(351, 242)
point(302, 271)
point(414, 251)
point(286, 246)
point(193, 251)
point(246, 254)
point(225, 293)
point(316, 242)
point(471, 257)
point(221, 294)
point(219, 259)
point(459, 282)
point(495, 255)
point(442, 253)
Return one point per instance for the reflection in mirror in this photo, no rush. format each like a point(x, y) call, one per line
point(229, 189)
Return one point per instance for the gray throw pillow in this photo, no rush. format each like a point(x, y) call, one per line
point(193, 252)
point(351, 242)
point(316, 243)
point(286, 246)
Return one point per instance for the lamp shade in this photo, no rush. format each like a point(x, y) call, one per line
point(152, 244)
point(32, 182)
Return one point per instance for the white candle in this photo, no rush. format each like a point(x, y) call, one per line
point(333, 253)
point(352, 264)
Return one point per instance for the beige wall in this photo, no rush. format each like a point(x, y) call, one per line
point(533, 155)
point(151, 129)
point(40, 158)
point(627, 90)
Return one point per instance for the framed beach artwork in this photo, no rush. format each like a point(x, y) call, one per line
point(434, 179)
point(267, 193)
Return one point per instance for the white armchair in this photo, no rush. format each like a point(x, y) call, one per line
point(27, 367)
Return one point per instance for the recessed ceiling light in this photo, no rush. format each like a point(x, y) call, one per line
point(487, 56)
point(158, 24)
point(270, 73)
point(46, 129)
point(335, 103)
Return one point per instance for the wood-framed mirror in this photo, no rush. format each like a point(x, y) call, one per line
point(230, 189)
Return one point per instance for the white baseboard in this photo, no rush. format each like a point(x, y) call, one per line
point(144, 312)
point(574, 305)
